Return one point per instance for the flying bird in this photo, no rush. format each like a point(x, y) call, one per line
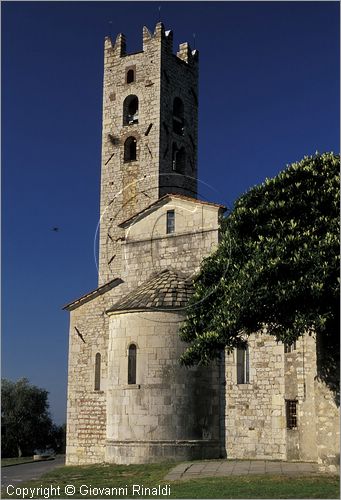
point(55, 229)
point(79, 334)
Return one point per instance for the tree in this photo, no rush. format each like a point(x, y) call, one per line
point(57, 438)
point(26, 423)
point(277, 265)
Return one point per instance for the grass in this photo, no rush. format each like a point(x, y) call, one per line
point(110, 476)
point(15, 461)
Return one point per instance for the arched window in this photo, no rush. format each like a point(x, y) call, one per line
point(178, 159)
point(178, 116)
point(132, 364)
point(130, 110)
point(130, 76)
point(97, 372)
point(130, 149)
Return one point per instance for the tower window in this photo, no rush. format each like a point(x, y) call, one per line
point(178, 159)
point(130, 149)
point(243, 365)
point(178, 116)
point(130, 110)
point(132, 364)
point(170, 221)
point(97, 372)
point(291, 413)
point(130, 76)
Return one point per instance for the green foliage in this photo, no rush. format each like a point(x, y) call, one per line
point(277, 264)
point(57, 438)
point(26, 423)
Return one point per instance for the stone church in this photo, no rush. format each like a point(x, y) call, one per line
point(129, 400)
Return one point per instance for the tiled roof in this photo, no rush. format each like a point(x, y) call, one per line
point(165, 290)
point(163, 199)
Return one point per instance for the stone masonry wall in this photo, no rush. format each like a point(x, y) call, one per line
point(86, 408)
point(300, 370)
point(179, 79)
point(122, 183)
point(317, 435)
point(162, 418)
point(255, 412)
point(327, 428)
point(172, 412)
point(256, 424)
point(147, 248)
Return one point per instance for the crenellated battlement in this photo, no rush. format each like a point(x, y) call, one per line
point(186, 54)
point(160, 35)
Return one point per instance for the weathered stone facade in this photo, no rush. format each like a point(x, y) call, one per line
point(153, 235)
point(147, 248)
point(256, 413)
point(125, 423)
point(172, 412)
point(86, 408)
point(128, 187)
point(255, 423)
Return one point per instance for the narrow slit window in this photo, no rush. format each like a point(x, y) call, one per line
point(97, 372)
point(132, 364)
point(243, 366)
point(291, 413)
point(170, 221)
point(130, 76)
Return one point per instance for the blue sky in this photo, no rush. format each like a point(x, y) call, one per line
point(269, 94)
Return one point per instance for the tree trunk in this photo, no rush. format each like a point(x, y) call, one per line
point(19, 451)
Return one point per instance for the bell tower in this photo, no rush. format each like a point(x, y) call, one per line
point(149, 134)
